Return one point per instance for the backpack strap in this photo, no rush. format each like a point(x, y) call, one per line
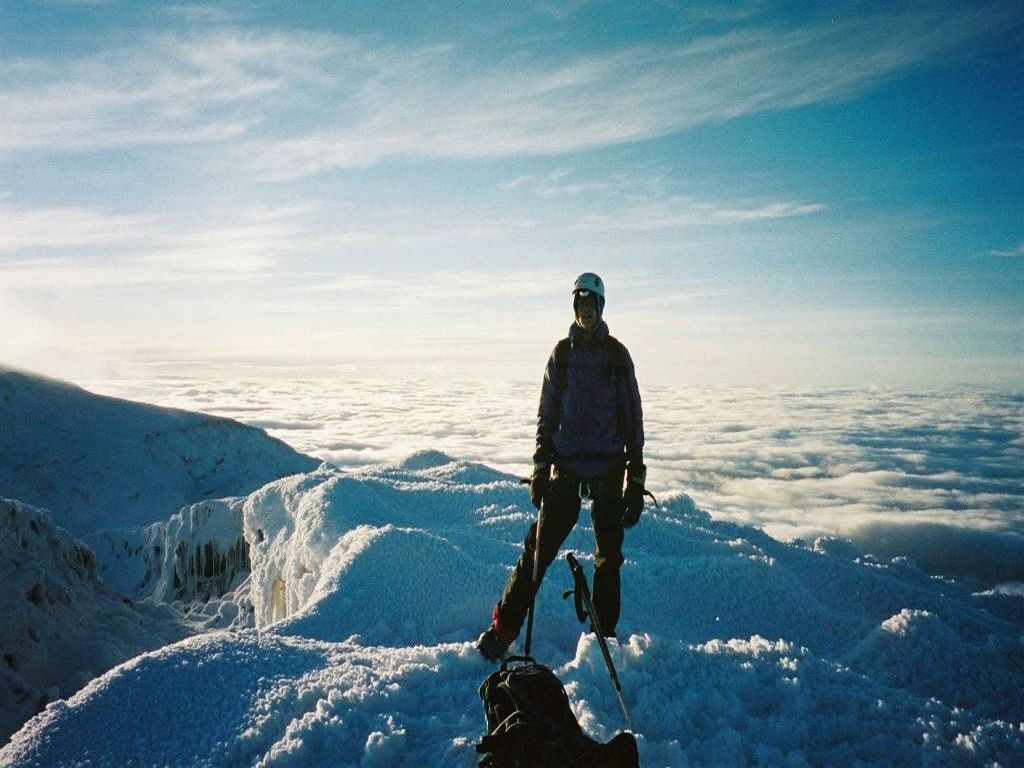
point(617, 357)
point(521, 660)
point(562, 350)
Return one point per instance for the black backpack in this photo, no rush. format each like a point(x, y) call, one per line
point(530, 724)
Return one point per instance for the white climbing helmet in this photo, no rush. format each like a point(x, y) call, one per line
point(590, 283)
point(586, 284)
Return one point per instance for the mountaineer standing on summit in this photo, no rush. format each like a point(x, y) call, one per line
point(590, 435)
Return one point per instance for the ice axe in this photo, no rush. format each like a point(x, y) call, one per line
point(585, 609)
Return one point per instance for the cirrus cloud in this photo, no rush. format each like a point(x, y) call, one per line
point(297, 102)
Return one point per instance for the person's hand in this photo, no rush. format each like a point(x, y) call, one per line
point(539, 481)
point(633, 498)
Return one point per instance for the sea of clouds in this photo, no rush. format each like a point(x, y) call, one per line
point(936, 476)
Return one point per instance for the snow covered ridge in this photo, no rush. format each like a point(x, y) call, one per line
point(97, 462)
point(61, 626)
point(370, 586)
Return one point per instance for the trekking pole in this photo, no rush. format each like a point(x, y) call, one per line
point(585, 608)
point(535, 584)
point(536, 587)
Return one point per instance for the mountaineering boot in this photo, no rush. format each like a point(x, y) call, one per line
point(492, 645)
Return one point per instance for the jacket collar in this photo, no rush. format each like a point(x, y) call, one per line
point(600, 333)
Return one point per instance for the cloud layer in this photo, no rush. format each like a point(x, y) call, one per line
point(901, 473)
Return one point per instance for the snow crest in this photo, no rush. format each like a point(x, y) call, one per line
point(385, 555)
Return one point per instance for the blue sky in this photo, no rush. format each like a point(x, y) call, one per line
point(819, 195)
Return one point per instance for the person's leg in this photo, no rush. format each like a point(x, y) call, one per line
point(558, 515)
point(608, 559)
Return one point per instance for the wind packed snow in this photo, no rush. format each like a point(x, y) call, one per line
point(369, 587)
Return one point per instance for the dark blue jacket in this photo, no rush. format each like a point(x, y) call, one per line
point(596, 421)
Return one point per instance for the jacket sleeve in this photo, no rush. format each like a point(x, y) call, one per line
point(634, 414)
point(547, 413)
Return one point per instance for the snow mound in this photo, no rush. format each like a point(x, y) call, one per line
point(373, 584)
point(98, 462)
point(391, 556)
point(756, 701)
point(918, 651)
point(268, 701)
point(61, 626)
point(444, 467)
point(423, 460)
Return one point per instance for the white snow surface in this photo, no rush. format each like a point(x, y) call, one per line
point(97, 462)
point(369, 587)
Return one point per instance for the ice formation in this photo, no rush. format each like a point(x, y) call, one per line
point(197, 554)
point(114, 473)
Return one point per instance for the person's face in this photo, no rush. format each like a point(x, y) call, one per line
point(586, 312)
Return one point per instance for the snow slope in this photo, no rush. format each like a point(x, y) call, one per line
point(61, 626)
point(369, 587)
point(97, 462)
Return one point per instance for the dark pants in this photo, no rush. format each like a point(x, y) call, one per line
point(559, 512)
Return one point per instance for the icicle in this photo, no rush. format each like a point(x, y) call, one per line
point(278, 609)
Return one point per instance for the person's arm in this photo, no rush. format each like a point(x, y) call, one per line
point(636, 471)
point(547, 413)
point(635, 415)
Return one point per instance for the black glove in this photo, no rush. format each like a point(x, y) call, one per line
point(633, 498)
point(539, 481)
